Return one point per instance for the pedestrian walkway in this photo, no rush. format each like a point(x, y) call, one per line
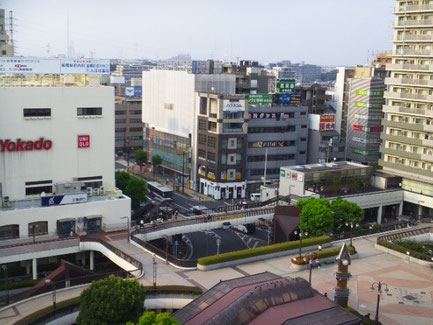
point(409, 301)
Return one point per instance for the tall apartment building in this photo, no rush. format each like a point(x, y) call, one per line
point(364, 115)
point(221, 145)
point(277, 134)
point(312, 95)
point(6, 48)
point(408, 124)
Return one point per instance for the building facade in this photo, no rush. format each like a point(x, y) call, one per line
point(364, 118)
point(277, 136)
point(407, 134)
point(221, 145)
point(57, 161)
point(6, 48)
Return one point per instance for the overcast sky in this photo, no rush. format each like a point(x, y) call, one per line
point(328, 32)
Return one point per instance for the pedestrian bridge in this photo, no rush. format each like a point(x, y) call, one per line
point(171, 228)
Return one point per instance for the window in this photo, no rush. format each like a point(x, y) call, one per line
point(303, 139)
point(37, 187)
point(303, 126)
point(259, 158)
point(37, 112)
point(89, 111)
point(202, 125)
point(135, 112)
point(203, 105)
point(224, 143)
point(211, 156)
point(280, 129)
point(202, 139)
point(90, 181)
point(38, 228)
point(212, 126)
point(9, 232)
point(201, 154)
point(232, 144)
point(119, 112)
point(135, 129)
point(302, 152)
point(135, 120)
point(224, 158)
point(238, 158)
point(239, 144)
point(120, 121)
point(120, 130)
point(303, 113)
point(119, 139)
point(211, 141)
point(136, 137)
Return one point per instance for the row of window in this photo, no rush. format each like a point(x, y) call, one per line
point(46, 112)
point(130, 129)
point(132, 120)
point(275, 129)
point(271, 157)
point(135, 112)
point(131, 138)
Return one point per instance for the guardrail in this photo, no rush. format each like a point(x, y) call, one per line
point(116, 251)
point(394, 226)
point(163, 254)
point(405, 234)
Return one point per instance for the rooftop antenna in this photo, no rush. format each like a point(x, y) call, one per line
point(67, 34)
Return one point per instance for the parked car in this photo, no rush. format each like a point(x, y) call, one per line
point(226, 225)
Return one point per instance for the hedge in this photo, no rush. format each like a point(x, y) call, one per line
point(173, 289)
point(403, 250)
point(263, 250)
point(19, 284)
point(329, 252)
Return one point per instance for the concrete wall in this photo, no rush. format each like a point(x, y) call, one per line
point(64, 160)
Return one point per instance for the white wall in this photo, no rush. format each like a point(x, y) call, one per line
point(64, 160)
point(339, 91)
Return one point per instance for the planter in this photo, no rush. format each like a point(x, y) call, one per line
point(258, 258)
point(326, 260)
point(403, 256)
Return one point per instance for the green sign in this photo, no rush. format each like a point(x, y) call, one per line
point(371, 105)
point(260, 99)
point(365, 152)
point(361, 92)
point(285, 86)
point(373, 93)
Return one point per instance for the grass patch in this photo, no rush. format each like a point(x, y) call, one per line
point(263, 250)
point(404, 250)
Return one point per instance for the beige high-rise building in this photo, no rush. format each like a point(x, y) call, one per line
point(407, 146)
point(6, 48)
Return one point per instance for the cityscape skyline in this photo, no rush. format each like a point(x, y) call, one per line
point(34, 34)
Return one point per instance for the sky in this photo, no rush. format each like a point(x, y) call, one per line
point(325, 32)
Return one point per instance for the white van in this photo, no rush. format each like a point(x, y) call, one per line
point(255, 197)
point(241, 228)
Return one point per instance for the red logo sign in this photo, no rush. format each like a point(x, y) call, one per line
point(83, 141)
point(20, 145)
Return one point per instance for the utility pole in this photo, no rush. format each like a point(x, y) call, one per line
point(266, 164)
point(67, 34)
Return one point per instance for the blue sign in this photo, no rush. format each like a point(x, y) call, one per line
point(63, 199)
point(137, 91)
point(284, 98)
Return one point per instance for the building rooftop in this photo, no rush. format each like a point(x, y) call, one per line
point(335, 166)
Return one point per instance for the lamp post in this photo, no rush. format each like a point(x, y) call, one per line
point(34, 227)
point(183, 170)
point(312, 263)
point(127, 225)
point(154, 270)
point(218, 243)
point(351, 225)
point(300, 233)
point(5, 270)
point(53, 288)
point(379, 293)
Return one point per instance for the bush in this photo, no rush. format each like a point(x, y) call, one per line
point(263, 250)
point(413, 245)
point(333, 251)
point(403, 250)
point(19, 284)
point(174, 289)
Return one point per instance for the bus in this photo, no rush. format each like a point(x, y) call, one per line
point(155, 189)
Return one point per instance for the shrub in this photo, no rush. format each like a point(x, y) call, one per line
point(263, 250)
point(19, 284)
point(328, 252)
point(174, 289)
point(403, 250)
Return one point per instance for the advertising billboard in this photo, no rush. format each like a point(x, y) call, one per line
point(327, 122)
point(138, 91)
point(85, 66)
point(233, 106)
point(83, 141)
point(283, 98)
point(63, 199)
point(285, 86)
point(255, 99)
point(29, 65)
point(129, 91)
point(276, 116)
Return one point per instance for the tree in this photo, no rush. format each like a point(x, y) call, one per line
point(122, 179)
point(150, 318)
point(140, 157)
point(136, 190)
point(316, 216)
point(112, 300)
point(156, 160)
point(345, 211)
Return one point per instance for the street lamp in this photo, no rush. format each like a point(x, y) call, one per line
point(312, 263)
point(154, 270)
point(218, 242)
point(5, 270)
point(268, 232)
point(351, 225)
point(127, 225)
point(301, 233)
point(53, 288)
point(34, 227)
point(379, 292)
point(183, 170)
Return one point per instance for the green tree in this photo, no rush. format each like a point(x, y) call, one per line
point(112, 300)
point(122, 179)
point(140, 157)
point(136, 190)
point(150, 318)
point(156, 160)
point(316, 216)
point(345, 211)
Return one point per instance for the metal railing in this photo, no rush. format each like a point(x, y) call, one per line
point(116, 251)
point(165, 255)
point(405, 234)
point(360, 233)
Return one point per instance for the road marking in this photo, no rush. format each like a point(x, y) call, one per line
point(255, 244)
point(227, 203)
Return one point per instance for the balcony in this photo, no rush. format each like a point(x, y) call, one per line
point(231, 130)
point(413, 38)
point(419, 97)
point(413, 9)
point(407, 110)
point(403, 139)
point(414, 23)
point(409, 82)
point(425, 157)
point(409, 67)
point(410, 126)
point(400, 153)
point(413, 52)
point(407, 171)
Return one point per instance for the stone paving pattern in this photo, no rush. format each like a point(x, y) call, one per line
point(409, 300)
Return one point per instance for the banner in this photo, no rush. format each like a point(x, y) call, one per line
point(233, 106)
point(63, 199)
